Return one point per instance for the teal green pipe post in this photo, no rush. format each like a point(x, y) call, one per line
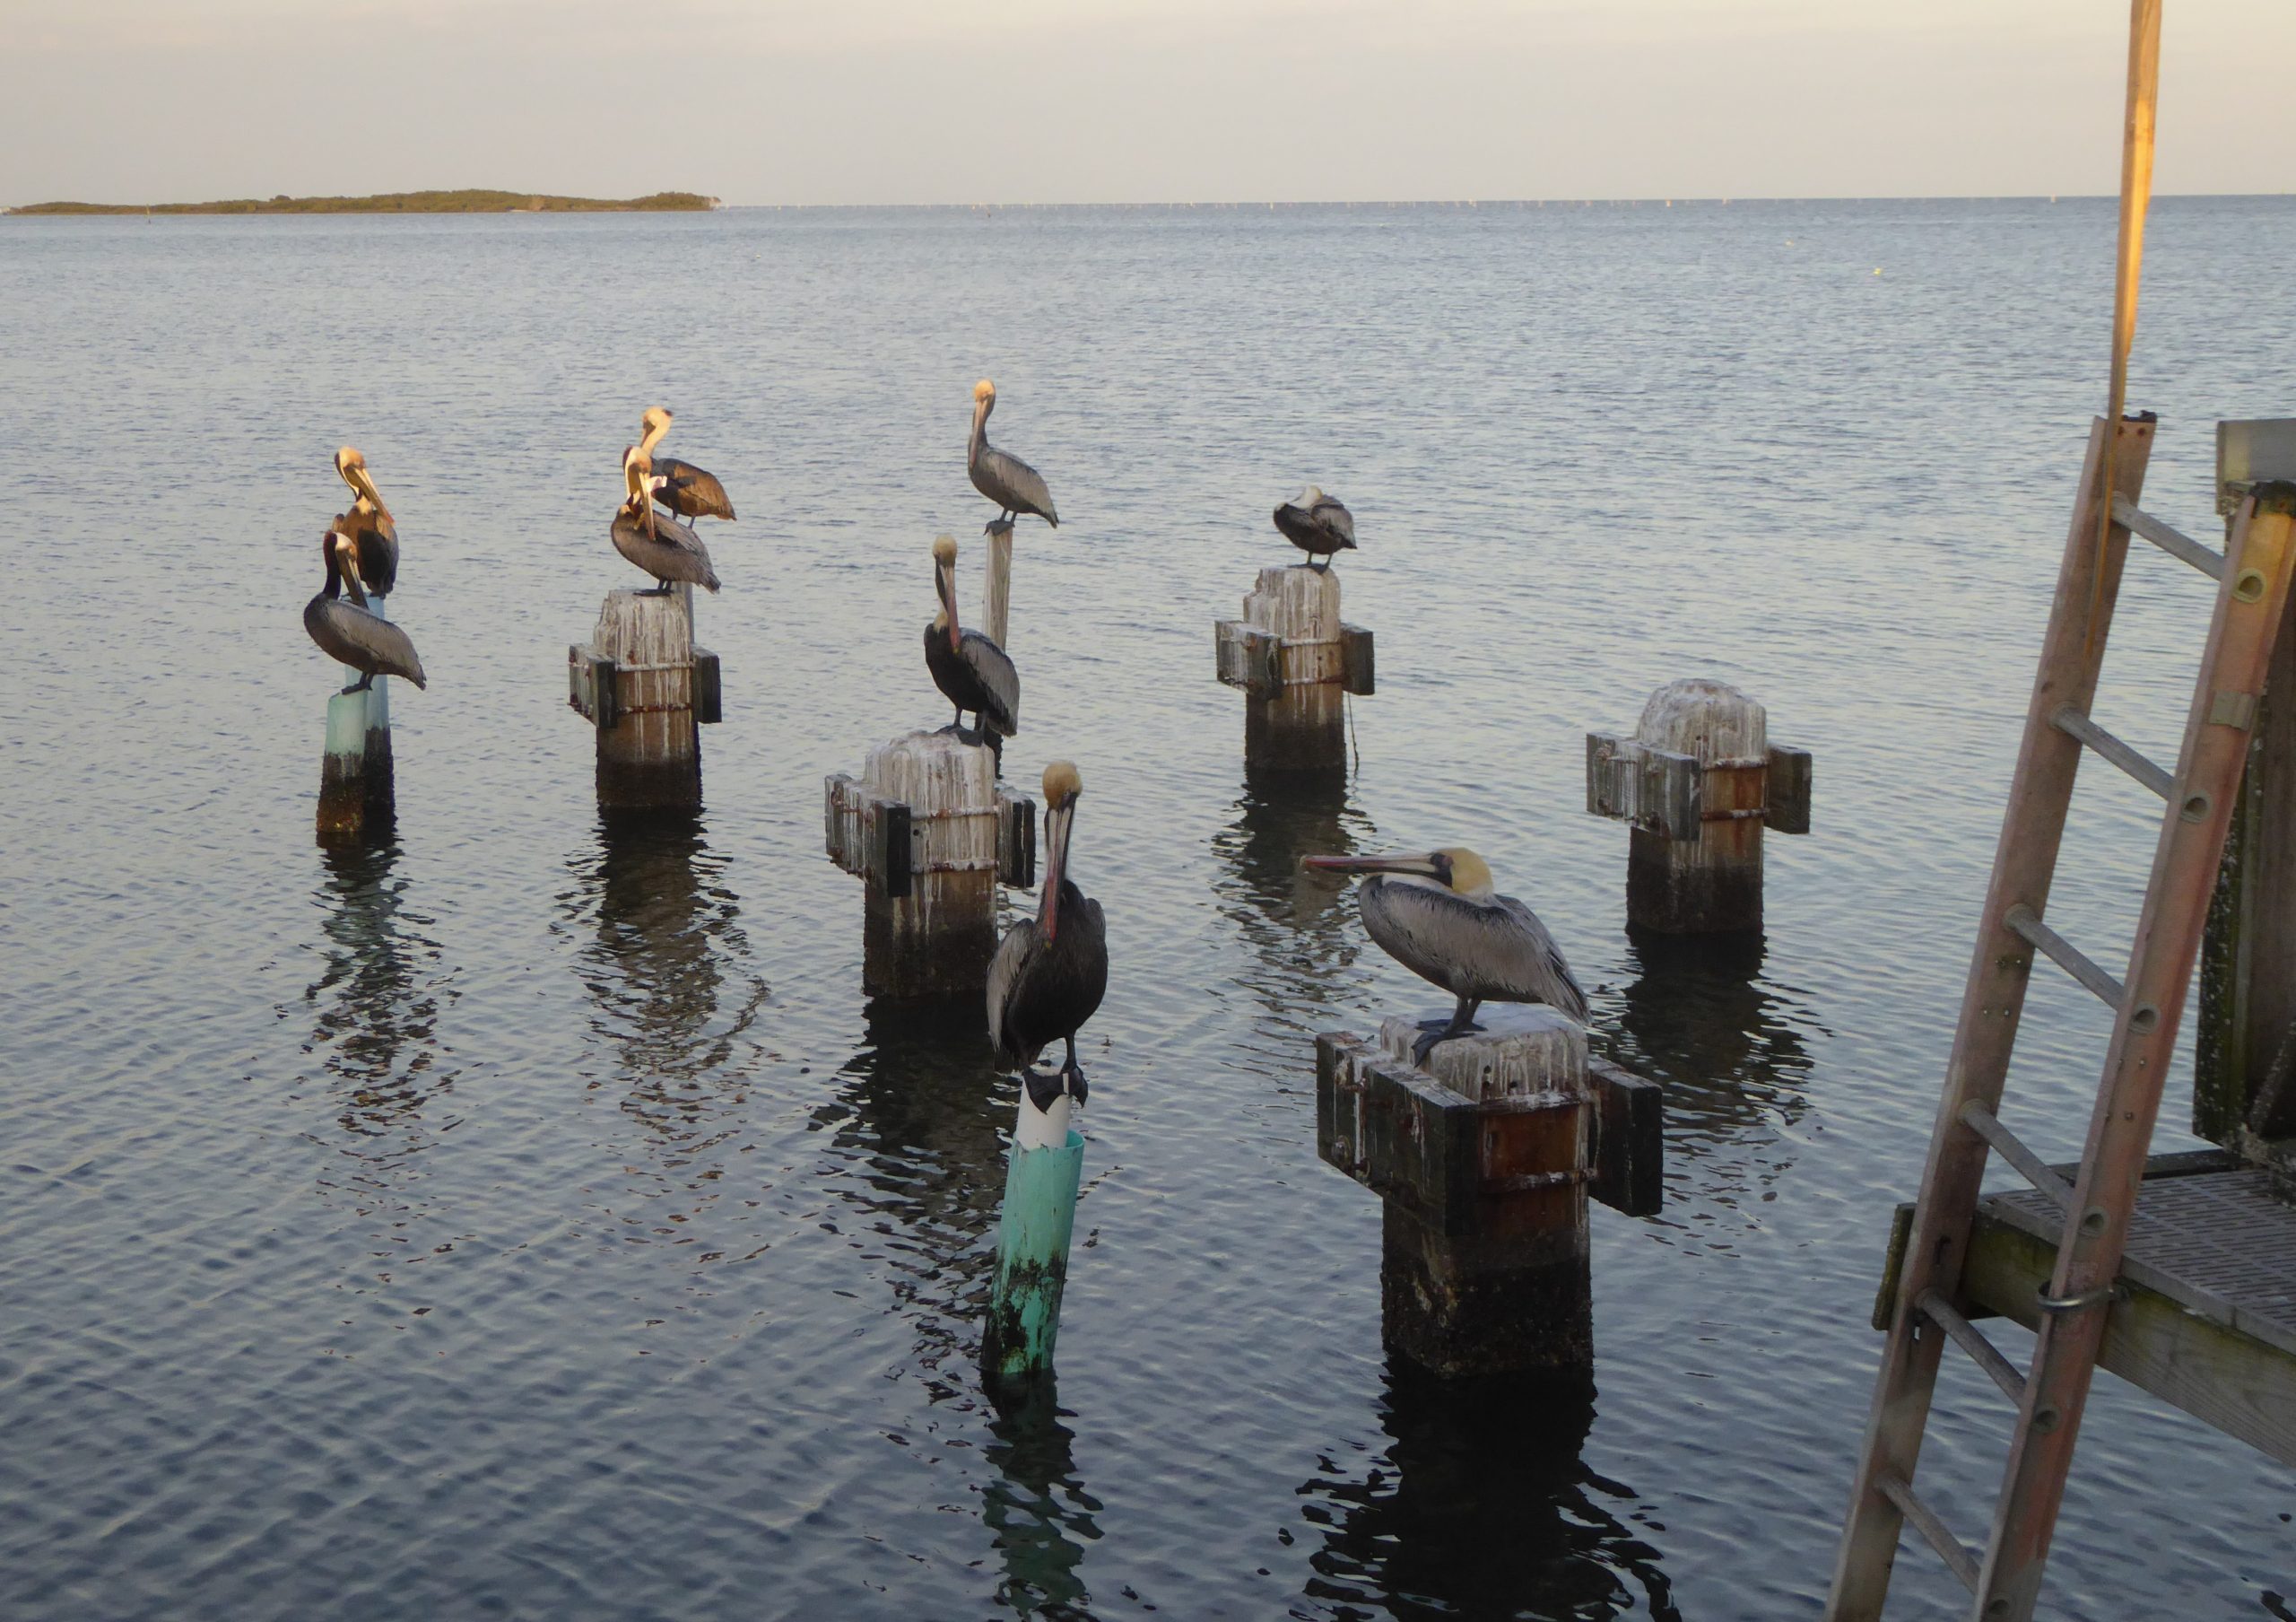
point(1032, 1238)
point(342, 775)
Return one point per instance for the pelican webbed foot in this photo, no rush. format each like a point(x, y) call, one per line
point(360, 685)
point(1045, 1086)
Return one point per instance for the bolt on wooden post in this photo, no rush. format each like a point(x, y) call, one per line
point(1698, 782)
point(931, 833)
point(648, 690)
point(2244, 1061)
point(1295, 662)
point(1483, 1161)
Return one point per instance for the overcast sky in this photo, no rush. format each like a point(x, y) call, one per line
point(1117, 101)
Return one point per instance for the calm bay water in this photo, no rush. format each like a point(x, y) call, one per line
point(529, 1218)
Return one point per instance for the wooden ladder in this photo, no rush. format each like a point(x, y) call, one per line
point(2004, 1577)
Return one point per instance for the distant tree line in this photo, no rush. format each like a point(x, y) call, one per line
point(396, 203)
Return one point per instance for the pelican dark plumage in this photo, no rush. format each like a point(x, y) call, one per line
point(690, 491)
point(374, 538)
point(1318, 525)
point(1051, 971)
point(1006, 480)
point(971, 672)
point(663, 548)
point(346, 632)
point(1433, 912)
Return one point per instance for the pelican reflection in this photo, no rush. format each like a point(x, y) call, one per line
point(374, 1007)
point(1479, 1505)
point(1296, 920)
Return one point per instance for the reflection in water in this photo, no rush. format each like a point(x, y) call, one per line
point(671, 992)
point(1479, 1505)
point(921, 1117)
point(1038, 1509)
point(1731, 1051)
point(1295, 921)
point(376, 1009)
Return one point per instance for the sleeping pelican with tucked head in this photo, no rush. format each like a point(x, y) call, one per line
point(1435, 912)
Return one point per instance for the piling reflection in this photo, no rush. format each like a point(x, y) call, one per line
point(1037, 1509)
point(674, 999)
point(1479, 1505)
point(1295, 921)
point(376, 1006)
point(920, 1117)
point(1730, 1048)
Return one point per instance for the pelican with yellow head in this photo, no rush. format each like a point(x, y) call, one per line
point(1004, 479)
point(347, 633)
point(690, 491)
point(663, 548)
point(972, 671)
point(1435, 912)
point(374, 538)
point(1051, 971)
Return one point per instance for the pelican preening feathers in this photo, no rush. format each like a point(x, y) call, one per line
point(1433, 912)
point(971, 672)
point(663, 548)
point(1006, 480)
point(690, 491)
point(1050, 970)
point(374, 538)
point(1318, 525)
point(346, 631)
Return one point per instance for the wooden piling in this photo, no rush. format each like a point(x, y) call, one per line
point(1295, 662)
point(1698, 782)
point(380, 778)
point(932, 834)
point(646, 688)
point(996, 584)
point(1483, 1161)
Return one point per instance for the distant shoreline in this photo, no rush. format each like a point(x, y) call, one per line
point(401, 202)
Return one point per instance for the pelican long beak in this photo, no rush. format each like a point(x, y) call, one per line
point(1059, 821)
point(347, 561)
point(641, 496)
point(944, 581)
point(364, 485)
point(1424, 864)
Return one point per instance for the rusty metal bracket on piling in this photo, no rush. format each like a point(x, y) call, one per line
point(1661, 791)
point(883, 841)
point(593, 687)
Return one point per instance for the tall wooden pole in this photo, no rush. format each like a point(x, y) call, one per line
point(2135, 197)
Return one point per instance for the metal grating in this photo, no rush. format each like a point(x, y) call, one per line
point(2217, 1244)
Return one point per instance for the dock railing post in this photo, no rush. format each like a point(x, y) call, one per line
point(1295, 662)
point(1698, 782)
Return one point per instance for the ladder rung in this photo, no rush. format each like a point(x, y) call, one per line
point(1925, 1521)
point(2170, 539)
point(2072, 722)
point(2012, 1149)
point(1940, 1311)
point(2023, 920)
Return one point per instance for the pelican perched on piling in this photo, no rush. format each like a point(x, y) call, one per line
point(663, 548)
point(1318, 525)
point(374, 538)
point(971, 672)
point(1433, 912)
point(1006, 480)
point(1050, 970)
point(690, 491)
point(347, 633)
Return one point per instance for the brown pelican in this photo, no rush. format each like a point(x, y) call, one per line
point(970, 671)
point(1050, 970)
point(688, 490)
point(1318, 525)
point(346, 632)
point(1006, 480)
point(663, 548)
point(1434, 912)
point(374, 538)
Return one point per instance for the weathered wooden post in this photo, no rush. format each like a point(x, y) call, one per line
point(1483, 1161)
point(1698, 782)
point(2244, 1062)
point(932, 833)
point(646, 689)
point(343, 771)
point(1041, 1180)
point(997, 585)
point(1296, 661)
